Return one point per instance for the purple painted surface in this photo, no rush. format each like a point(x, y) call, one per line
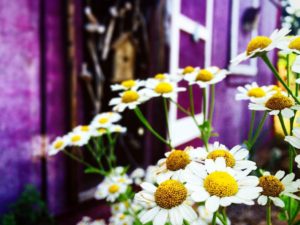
point(19, 105)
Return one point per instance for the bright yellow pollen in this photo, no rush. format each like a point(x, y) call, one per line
point(113, 189)
point(259, 42)
point(271, 185)
point(103, 120)
point(85, 128)
point(130, 96)
point(75, 138)
point(230, 160)
point(160, 76)
point(128, 83)
point(204, 75)
point(170, 193)
point(188, 69)
point(279, 102)
point(221, 184)
point(177, 160)
point(256, 92)
point(58, 144)
point(163, 88)
point(295, 44)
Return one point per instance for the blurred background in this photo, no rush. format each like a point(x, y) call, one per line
point(59, 58)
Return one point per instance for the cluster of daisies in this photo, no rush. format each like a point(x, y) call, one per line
point(211, 178)
point(102, 124)
point(135, 92)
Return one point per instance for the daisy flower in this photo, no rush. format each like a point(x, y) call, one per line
point(128, 99)
point(291, 45)
point(83, 129)
point(235, 158)
point(110, 190)
point(105, 119)
point(295, 139)
point(121, 219)
point(218, 185)
point(78, 139)
point(120, 207)
point(164, 88)
point(150, 176)
point(168, 202)
point(261, 45)
point(177, 163)
point(188, 71)
point(138, 175)
point(205, 217)
point(58, 145)
point(207, 76)
point(165, 77)
point(128, 85)
point(116, 128)
point(276, 186)
point(253, 91)
point(275, 104)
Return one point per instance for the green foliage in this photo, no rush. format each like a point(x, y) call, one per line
point(29, 209)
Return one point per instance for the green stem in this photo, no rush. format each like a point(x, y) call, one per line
point(253, 114)
point(204, 103)
point(212, 103)
point(282, 124)
point(214, 220)
point(165, 103)
point(276, 74)
point(256, 134)
point(144, 121)
point(191, 96)
point(269, 209)
point(181, 108)
point(288, 70)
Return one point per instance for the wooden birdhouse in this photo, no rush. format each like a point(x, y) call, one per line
point(124, 58)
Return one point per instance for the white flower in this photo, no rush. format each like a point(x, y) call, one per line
point(253, 91)
point(218, 185)
point(58, 145)
point(150, 176)
point(83, 129)
point(297, 160)
point(275, 104)
point(169, 202)
point(291, 45)
point(276, 186)
point(105, 120)
point(110, 190)
point(165, 77)
point(205, 217)
point(120, 207)
point(295, 139)
point(207, 76)
point(262, 44)
point(128, 99)
point(188, 71)
point(88, 221)
point(116, 128)
point(164, 88)
point(78, 139)
point(235, 158)
point(177, 163)
point(121, 219)
point(128, 85)
point(138, 175)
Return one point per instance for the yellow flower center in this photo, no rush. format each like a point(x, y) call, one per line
point(130, 96)
point(221, 184)
point(204, 75)
point(76, 138)
point(101, 130)
point(170, 193)
point(160, 76)
point(230, 160)
point(275, 88)
point(113, 188)
point(271, 185)
point(177, 160)
point(122, 217)
point(128, 83)
point(188, 69)
point(259, 42)
point(85, 128)
point(163, 88)
point(58, 144)
point(295, 44)
point(122, 180)
point(103, 120)
point(256, 92)
point(279, 102)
